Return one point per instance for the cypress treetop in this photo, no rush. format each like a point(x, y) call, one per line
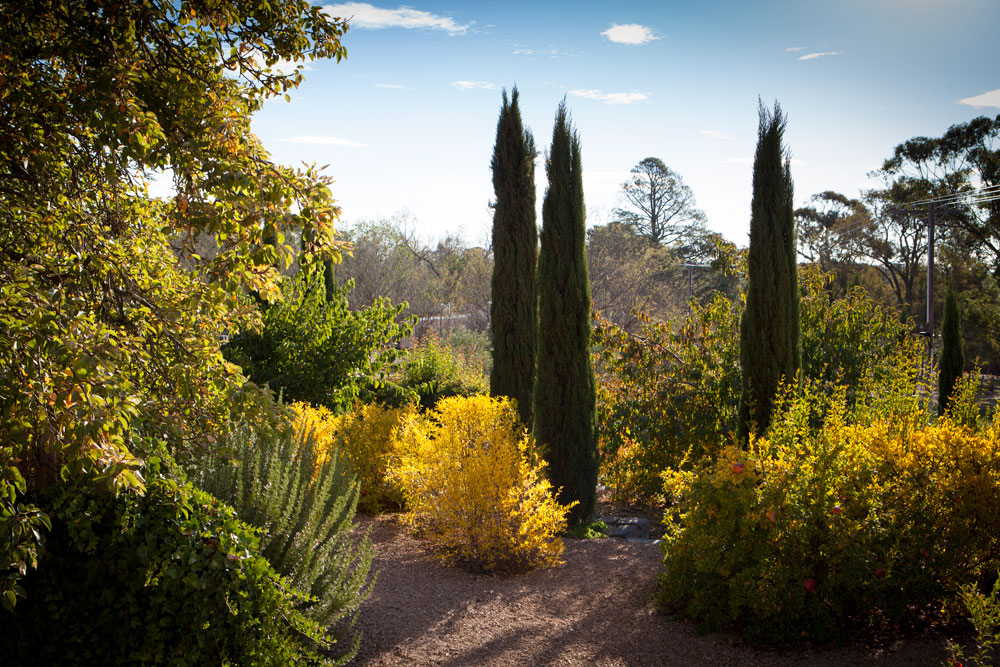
point(565, 397)
point(769, 329)
point(514, 305)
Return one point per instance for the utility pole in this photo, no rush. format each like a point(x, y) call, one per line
point(930, 275)
point(691, 268)
point(932, 213)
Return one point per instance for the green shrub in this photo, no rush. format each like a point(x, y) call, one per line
point(666, 395)
point(849, 341)
point(474, 484)
point(170, 577)
point(433, 370)
point(312, 347)
point(984, 613)
point(303, 499)
point(838, 517)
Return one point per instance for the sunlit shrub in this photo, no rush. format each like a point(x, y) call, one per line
point(321, 425)
point(435, 369)
point(368, 439)
point(837, 517)
point(475, 485)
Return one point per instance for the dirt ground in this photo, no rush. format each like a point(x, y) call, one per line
point(596, 609)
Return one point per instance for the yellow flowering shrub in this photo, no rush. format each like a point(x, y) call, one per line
point(833, 520)
point(323, 425)
point(367, 438)
point(474, 484)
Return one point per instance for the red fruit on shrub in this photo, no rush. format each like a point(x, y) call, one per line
point(879, 572)
point(738, 468)
point(837, 509)
point(810, 585)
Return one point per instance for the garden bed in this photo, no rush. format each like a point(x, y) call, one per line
point(597, 608)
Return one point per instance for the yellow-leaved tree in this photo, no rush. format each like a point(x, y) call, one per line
point(111, 310)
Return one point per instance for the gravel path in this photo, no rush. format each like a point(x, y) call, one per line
point(596, 609)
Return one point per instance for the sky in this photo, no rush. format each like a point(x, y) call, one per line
point(407, 121)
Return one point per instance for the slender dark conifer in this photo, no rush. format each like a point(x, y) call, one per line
point(565, 396)
point(514, 307)
point(952, 362)
point(769, 330)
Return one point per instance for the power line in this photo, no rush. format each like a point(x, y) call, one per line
point(841, 231)
point(989, 190)
point(986, 190)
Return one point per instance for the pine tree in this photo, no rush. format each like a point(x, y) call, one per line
point(769, 330)
point(565, 396)
point(952, 362)
point(514, 307)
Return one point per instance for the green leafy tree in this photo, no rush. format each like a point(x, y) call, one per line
point(312, 347)
point(514, 307)
point(110, 320)
point(965, 159)
point(952, 363)
point(565, 395)
point(769, 329)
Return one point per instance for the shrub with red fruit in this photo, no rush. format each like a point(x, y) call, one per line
point(765, 551)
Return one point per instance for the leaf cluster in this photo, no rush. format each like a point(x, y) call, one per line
point(168, 577)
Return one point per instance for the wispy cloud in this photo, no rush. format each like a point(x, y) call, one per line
point(987, 99)
point(323, 141)
point(629, 33)
point(369, 17)
point(813, 56)
point(551, 52)
point(715, 134)
point(393, 86)
point(473, 85)
point(793, 49)
point(610, 98)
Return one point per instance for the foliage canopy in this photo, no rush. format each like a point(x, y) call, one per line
point(112, 302)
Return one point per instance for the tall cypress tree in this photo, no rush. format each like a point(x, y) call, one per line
point(565, 396)
point(769, 330)
point(514, 307)
point(952, 357)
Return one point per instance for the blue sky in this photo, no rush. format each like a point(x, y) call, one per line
point(407, 121)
